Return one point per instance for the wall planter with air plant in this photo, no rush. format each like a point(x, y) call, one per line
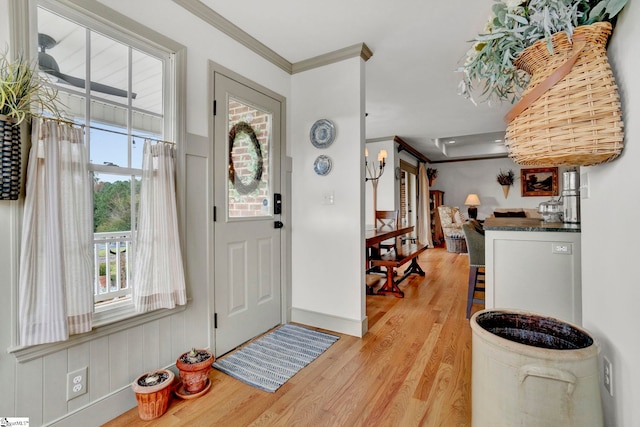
point(153, 393)
point(194, 367)
point(22, 91)
point(506, 180)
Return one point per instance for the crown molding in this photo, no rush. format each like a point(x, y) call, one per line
point(403, 145)
point(380, 139)
point(353, 51)
point(219, 22)
point(470, 159)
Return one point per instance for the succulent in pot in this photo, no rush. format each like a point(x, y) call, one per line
point(153, 393)
point(194, 367)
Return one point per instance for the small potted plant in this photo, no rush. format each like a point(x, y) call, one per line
point(194, 367)
point(153, 393)
point(432, 174)
point(506, 180)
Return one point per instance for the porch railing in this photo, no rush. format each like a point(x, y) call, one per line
point(112, 254)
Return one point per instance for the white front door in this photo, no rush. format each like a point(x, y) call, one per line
point(247, 248)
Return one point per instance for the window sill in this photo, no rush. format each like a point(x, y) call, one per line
point(129, 319)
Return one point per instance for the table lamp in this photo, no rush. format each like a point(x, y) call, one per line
point(472, 201)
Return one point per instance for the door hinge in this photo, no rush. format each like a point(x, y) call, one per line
point(215, 320)
point(215, 107)
point(215, 214)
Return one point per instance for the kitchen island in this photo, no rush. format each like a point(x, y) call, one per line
point(534, 265)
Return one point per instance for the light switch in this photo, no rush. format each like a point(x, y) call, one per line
point(328, 198)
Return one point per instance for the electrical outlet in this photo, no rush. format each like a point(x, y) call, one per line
point(76, 383)
point(607, 372)
point(561, 248)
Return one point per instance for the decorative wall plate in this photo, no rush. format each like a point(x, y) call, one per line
point(323, 164)
point(322, 133)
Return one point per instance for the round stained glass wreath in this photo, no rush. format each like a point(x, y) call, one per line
point(236, 131)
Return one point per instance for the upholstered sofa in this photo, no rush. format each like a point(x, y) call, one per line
point(451, 220)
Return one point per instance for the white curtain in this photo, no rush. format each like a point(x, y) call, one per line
point(424, 213)
point(158, 278)
point(56, 262)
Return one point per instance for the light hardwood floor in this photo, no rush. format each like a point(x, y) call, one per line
point(413, 368)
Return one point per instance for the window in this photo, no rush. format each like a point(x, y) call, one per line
point(121, 88)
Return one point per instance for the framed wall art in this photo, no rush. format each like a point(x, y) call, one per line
point(539, 182)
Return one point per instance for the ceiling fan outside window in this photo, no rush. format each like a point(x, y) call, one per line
point(49, 65)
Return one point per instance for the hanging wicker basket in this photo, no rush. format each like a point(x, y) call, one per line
point(570, 113)
point(9, 159)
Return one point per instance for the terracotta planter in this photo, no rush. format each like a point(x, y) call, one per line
point(194, 376)
point(153, 393)
point(103, 282)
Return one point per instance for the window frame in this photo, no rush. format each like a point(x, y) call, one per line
point(104, 20)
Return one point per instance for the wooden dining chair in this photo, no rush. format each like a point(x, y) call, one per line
point(387, 220)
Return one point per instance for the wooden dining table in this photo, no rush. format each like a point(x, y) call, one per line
point(373, 236)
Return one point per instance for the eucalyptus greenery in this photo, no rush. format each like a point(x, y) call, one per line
point(515, 25)
point(23, 90)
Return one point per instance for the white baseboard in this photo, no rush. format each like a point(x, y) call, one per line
point(331, 323)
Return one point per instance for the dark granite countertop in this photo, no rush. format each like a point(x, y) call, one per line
point(528, 224)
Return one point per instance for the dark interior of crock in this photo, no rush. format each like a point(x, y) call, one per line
point(537, 331)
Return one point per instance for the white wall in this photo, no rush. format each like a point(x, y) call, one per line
point(327, 239)
point(458, 179)
point(610, 284)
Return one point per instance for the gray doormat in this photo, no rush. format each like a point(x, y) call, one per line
point(270, 361)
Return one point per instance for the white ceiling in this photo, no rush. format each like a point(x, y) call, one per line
point(411, 83)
